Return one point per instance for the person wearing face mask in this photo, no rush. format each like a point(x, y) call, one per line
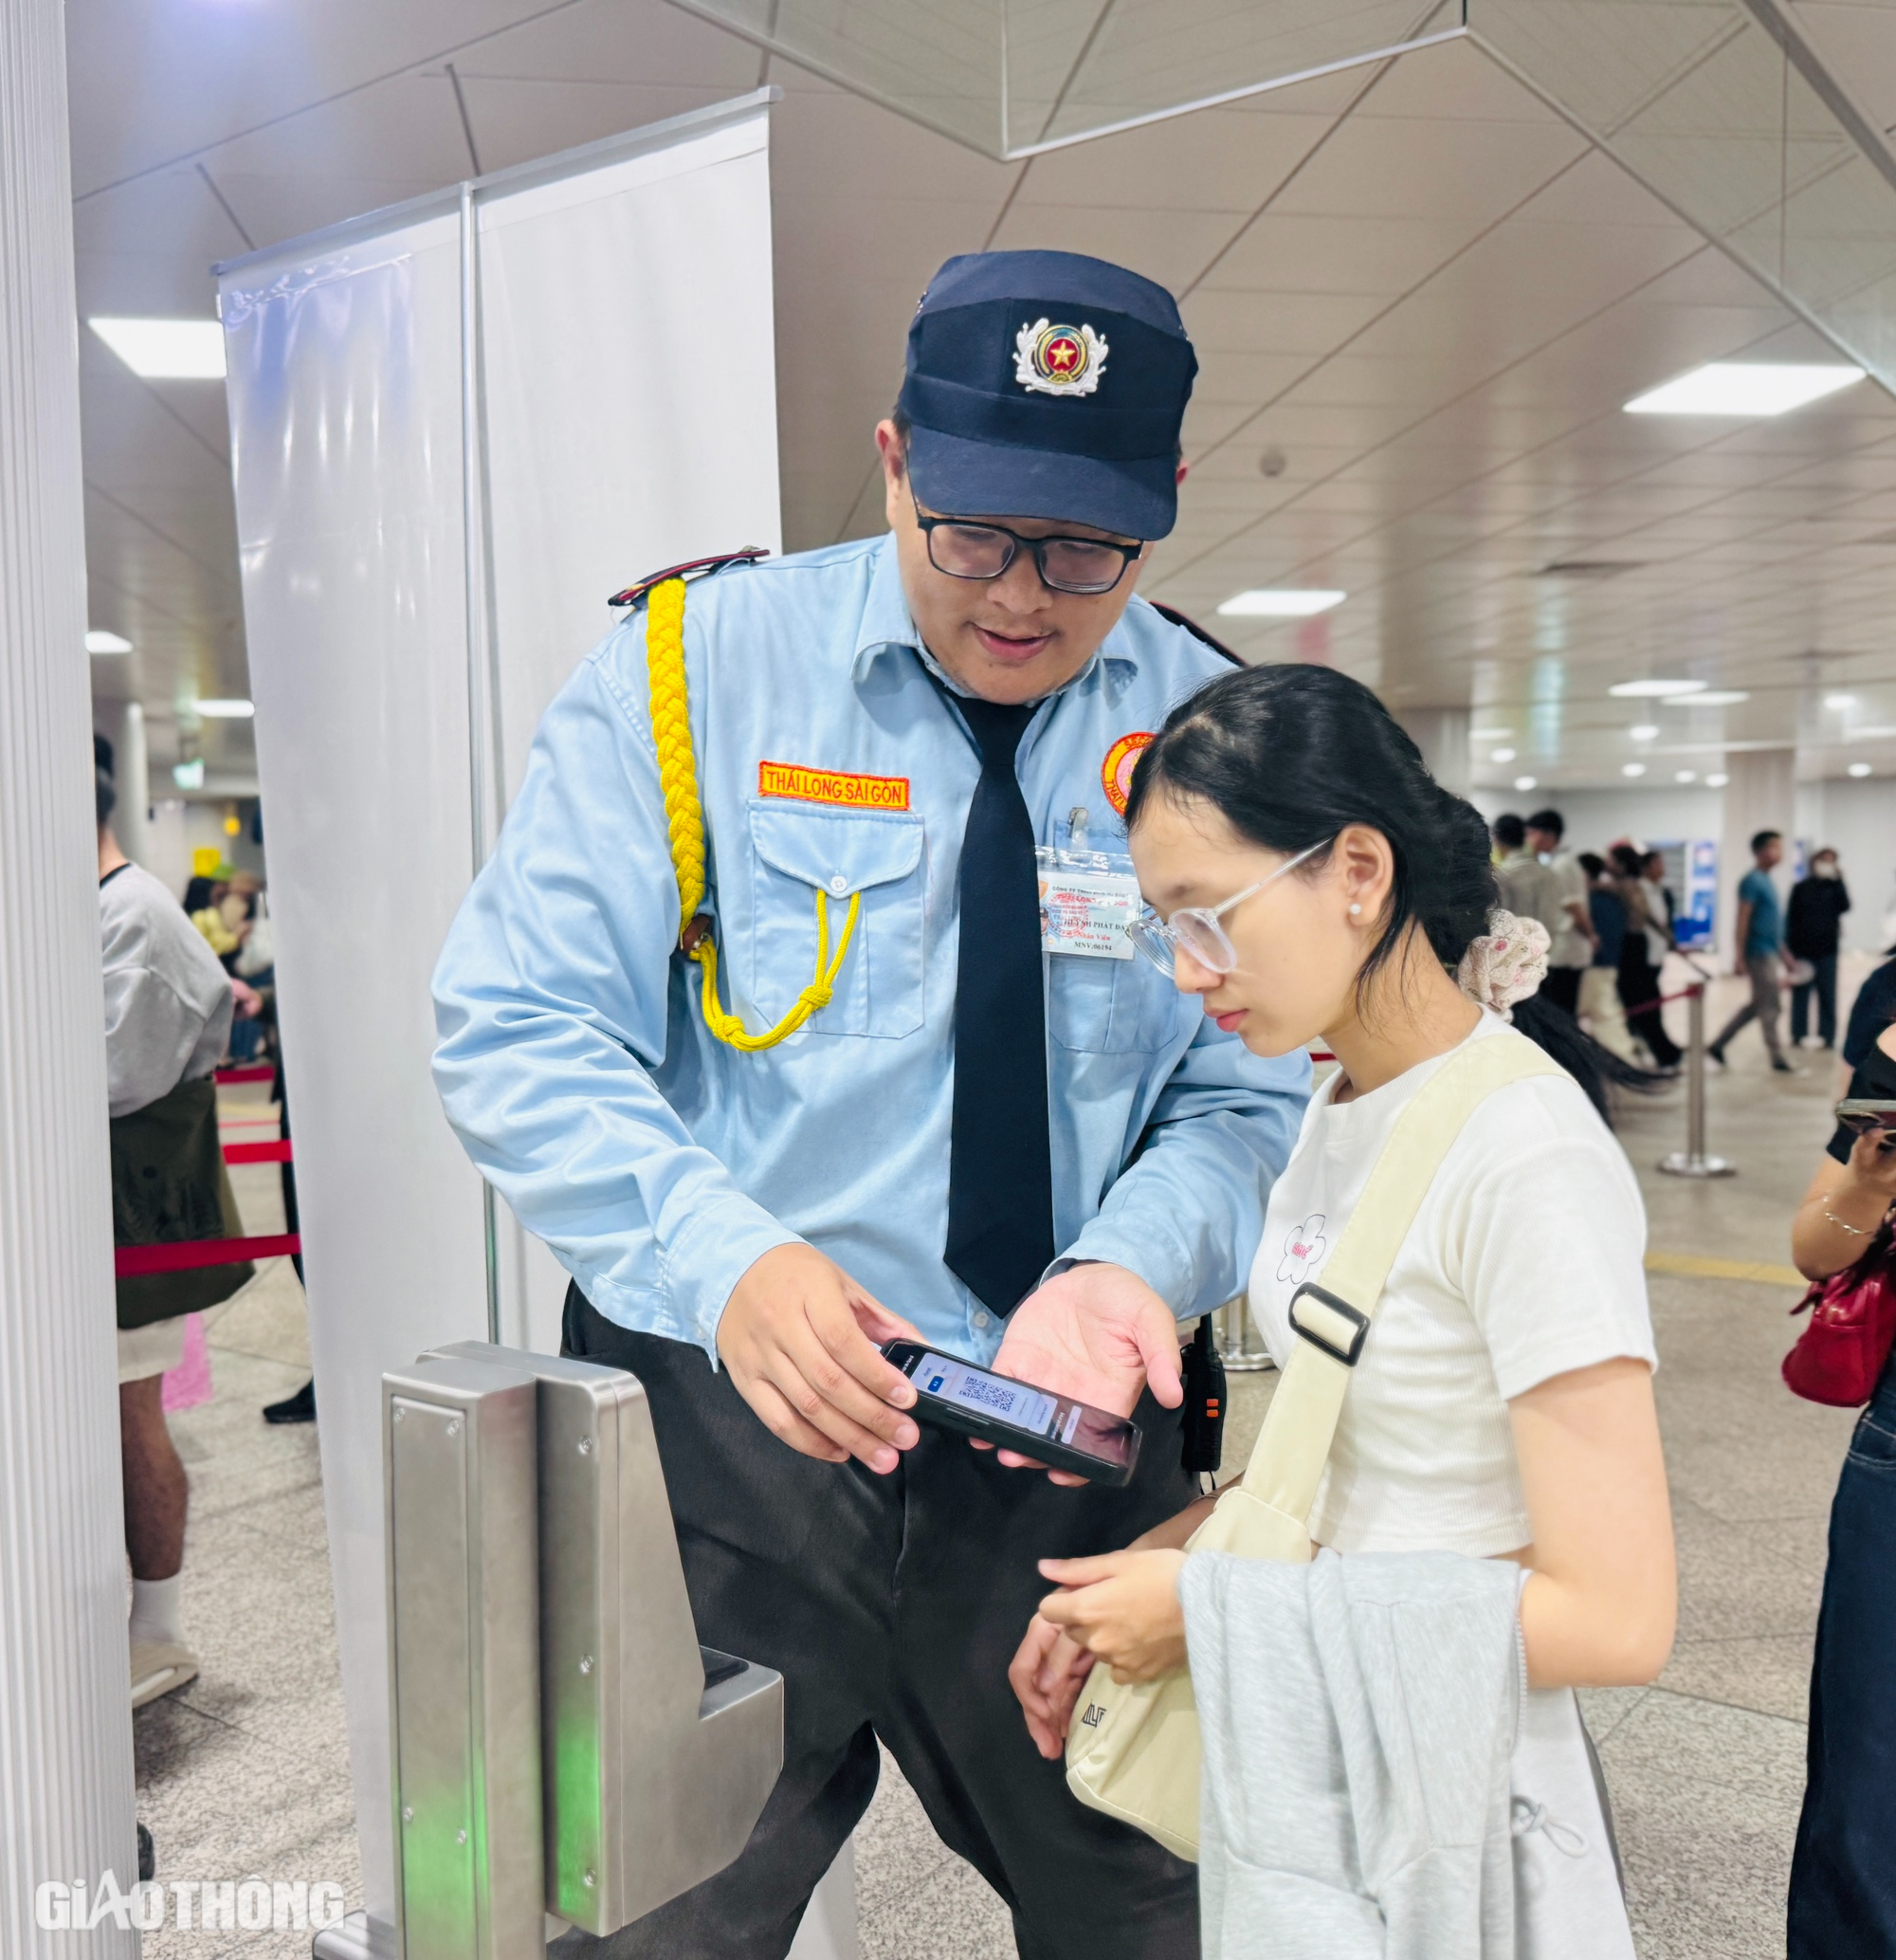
point(754, 1019)
point(1813, 929)
point(1310, 882)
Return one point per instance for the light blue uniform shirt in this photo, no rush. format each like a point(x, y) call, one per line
point(574, 1063)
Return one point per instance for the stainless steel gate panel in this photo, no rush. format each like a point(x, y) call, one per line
point(659, 1756)
point(460, 1475)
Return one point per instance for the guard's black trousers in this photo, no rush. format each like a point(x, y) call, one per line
point(892, 1606)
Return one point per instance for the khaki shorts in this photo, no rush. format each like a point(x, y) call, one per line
point(158, 1347)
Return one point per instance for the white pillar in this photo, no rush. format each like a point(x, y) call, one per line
point(65, 1725)
point(1442, 735)
point(122, 724)
point(1761, 795)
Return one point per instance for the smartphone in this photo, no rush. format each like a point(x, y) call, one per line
point(1053, 1429)
point(1869, 1112)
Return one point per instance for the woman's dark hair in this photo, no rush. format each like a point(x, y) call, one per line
point(105, 796)
point(197, 894)
point(1628, 862)
point(1291, 756)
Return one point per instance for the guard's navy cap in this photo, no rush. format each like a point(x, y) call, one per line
point(1047, 385)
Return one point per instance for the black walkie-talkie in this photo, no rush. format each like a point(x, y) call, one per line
point(1203, 1369)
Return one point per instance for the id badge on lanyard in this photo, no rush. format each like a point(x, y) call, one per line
point(1089, 899)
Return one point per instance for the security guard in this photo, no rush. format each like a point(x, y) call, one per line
point(767, 1016)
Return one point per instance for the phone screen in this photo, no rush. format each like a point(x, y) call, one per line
point(1033, 1411)
point(1030, 1410)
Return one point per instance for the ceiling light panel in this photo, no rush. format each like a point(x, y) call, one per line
point(166, 350)
point(97, 641)
point(1744, 388)
point(1656, 690)
point(1712, 697)
point(226, 710)
point(1280, 603)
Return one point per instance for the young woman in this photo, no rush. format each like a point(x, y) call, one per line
point(1314, 885)
point(1843, 1880)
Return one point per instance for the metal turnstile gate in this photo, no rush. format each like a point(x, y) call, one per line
point(561, 1744)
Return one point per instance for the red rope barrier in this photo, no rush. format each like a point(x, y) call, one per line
point(1654, 1006)
point(278, 1152)
point(182, 1256)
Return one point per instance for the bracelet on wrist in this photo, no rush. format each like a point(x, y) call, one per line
point(1855, 1231)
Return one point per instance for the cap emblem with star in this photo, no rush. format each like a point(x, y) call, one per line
point(1051, 360)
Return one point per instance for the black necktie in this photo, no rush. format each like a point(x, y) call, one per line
point(1000, 1163)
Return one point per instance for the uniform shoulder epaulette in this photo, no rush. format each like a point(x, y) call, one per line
point(694, 568)
point(1197, 632)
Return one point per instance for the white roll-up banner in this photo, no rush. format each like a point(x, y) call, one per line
point(457, 427)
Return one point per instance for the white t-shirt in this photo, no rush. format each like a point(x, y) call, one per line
point(1526, 1262)
point(168, 1002)
point(1571, 946)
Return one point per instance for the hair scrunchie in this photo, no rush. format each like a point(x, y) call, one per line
point(1506, 963)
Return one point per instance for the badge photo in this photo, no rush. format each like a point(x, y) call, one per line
point(1050, 359)
point(1115, 771)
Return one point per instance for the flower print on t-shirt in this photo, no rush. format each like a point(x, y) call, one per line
point(1304, 1251)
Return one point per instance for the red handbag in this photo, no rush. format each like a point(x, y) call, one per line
point(1840, 1356)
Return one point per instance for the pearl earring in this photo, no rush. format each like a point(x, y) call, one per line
point(1354, 910)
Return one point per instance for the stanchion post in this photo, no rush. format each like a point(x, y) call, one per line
point(1236, 1339)
point(1693, 1162)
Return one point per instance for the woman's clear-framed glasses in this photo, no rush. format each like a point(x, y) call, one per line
point(1196, 928)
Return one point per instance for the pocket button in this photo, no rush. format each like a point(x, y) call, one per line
point(839, 884)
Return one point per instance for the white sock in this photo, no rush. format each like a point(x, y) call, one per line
point(154, 1610)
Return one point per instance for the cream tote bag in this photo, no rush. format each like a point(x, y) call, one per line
point(1133, 1749)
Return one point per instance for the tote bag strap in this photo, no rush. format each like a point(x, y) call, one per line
point(1333, 1319)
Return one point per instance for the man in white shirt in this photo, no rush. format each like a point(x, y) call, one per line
point(1571, 925)
point(1526, 885)
point(168, 1013)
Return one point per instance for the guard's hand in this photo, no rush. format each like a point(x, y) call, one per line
point(1098, 1333)
point(1046, 1675)
point(1123, 1609)
point(799, 1337)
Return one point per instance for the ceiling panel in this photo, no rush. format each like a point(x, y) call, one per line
point(1418, 298)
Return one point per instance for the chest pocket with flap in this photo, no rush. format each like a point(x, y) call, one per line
point(800, 849)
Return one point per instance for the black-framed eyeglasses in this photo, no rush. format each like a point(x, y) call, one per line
point(1085, 565)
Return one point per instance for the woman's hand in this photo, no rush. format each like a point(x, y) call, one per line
point(1843, 1207)
point(1122, 1609)
point(1046, 1674)
point(1872, 1166)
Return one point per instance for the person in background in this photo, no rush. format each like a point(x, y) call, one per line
point(1761, 945)
point(1813, 927)
point(168, 1013)
point(1602, 1013)
point(1571, 924)
point(207, 914)
point(1873, 1011)
point(1526, 890)
point(1642, 953)
point(1843, 1877)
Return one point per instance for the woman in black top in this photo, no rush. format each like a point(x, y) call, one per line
point(1812, 926)
point(1843, 1875)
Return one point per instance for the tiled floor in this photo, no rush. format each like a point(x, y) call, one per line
point(243, 1772)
